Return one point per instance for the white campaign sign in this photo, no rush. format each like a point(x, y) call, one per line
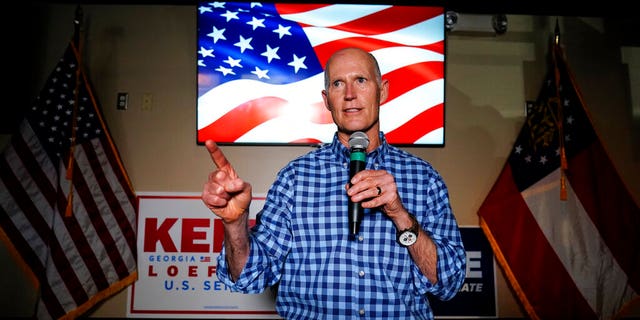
point(179, 240)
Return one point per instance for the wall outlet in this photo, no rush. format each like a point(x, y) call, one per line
point(123, 101)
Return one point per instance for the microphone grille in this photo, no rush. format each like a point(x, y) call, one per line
point(358, 139)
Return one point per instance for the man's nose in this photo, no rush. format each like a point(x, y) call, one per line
point(349, 92)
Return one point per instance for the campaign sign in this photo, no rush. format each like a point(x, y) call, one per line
point(179, 240)
point(477, 297)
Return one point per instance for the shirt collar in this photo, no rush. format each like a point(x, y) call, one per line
point(343, 153)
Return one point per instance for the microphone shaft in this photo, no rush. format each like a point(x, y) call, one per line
point(357, 163)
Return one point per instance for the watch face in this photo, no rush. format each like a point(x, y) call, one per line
point(407, 238)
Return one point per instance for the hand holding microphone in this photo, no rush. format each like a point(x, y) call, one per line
point(376, 188)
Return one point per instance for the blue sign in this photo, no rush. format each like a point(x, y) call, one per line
point(477, 297)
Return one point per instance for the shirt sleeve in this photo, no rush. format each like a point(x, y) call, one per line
point(269, 240)
point(255, 276)
point(440, 224)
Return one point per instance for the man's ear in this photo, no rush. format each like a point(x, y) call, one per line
point(325, 99)
point(384, 90)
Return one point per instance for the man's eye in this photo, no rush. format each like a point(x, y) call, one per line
point(362, 80)
point(337, 83)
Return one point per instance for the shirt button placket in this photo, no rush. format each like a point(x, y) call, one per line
point(361, 275)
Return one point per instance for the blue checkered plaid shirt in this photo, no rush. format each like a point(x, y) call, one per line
point(301, 242)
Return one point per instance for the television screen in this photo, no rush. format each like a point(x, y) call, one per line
point(260, 70)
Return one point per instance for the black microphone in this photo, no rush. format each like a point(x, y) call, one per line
point(358, 142)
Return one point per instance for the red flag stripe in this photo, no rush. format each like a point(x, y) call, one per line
point(402, 16)
point(325, 50)
point(245, 117)
point(427, 121)
point(287, 8)
point(413, 76)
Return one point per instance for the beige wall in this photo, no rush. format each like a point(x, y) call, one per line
point(150, 49)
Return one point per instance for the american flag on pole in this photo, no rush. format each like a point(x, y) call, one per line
point(561, 222)
point(67, 206)
point(260, 69)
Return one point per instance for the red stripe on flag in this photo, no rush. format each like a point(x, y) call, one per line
point(307, 141)
point(412, 76)
point(325, 50)
point(389, 20)
point(244, 118)
point(418, 126)
point(288, 8)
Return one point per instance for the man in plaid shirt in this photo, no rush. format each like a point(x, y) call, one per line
point(408, 246)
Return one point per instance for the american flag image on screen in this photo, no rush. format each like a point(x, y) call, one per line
point(260, 69)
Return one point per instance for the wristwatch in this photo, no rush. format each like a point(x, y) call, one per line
point(408, 236)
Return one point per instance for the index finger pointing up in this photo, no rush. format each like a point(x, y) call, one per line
point(217, 156)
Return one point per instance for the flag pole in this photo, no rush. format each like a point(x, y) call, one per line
point(77, 23)
point(560, 119)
